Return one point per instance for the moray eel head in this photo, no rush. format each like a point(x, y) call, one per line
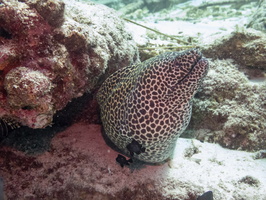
point(150, 103)
point(186, 71)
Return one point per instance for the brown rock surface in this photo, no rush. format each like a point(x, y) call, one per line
point(246, 47)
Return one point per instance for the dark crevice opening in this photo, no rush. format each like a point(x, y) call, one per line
point(5, 34)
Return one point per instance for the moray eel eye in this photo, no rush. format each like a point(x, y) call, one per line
point(145, 107)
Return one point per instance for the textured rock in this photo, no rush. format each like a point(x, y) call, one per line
point(54, 51)
point(258, 20)
point(231, 108)
point(28, 89)
point(247, 47)
point(52, 11)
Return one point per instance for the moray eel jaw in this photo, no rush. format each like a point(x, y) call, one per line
point(185, 62)
point(189, 69)
point(150, 103)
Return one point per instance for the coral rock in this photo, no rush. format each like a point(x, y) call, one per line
point(247, 47)
point(231, 108)
point(258, 20)
point(54, 51)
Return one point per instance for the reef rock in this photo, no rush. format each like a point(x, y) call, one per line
point(247, 47)
point(54, 51)
point(258, 20)
point(231, 110)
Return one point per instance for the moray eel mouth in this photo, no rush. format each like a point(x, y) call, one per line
point(195, 63)
point(149, 104)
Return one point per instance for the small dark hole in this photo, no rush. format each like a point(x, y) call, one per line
point(27, 108)
point(5, 34)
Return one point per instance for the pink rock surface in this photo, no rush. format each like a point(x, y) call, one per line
point(79, 165)
point(54, 51)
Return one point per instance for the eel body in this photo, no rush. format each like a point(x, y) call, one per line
point(150, 102)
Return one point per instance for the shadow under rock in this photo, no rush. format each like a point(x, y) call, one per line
point(36, 141)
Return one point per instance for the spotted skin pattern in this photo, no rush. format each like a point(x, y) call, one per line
point(151, 102)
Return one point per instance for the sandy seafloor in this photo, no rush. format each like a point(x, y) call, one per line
point(80, 165)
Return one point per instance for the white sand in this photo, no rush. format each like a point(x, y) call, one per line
point(206, 30)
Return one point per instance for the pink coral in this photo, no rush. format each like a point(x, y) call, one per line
point(47, 59)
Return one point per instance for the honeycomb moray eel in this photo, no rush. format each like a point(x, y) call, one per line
point(151, 102)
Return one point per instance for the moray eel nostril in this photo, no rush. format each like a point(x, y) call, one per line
point(150, 102)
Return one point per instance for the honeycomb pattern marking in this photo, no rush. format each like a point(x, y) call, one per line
point(151, 102)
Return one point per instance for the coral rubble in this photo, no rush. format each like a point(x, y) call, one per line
point(54, 51)
point(231, 109)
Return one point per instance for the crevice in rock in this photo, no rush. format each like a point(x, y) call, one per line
point(5, 34)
